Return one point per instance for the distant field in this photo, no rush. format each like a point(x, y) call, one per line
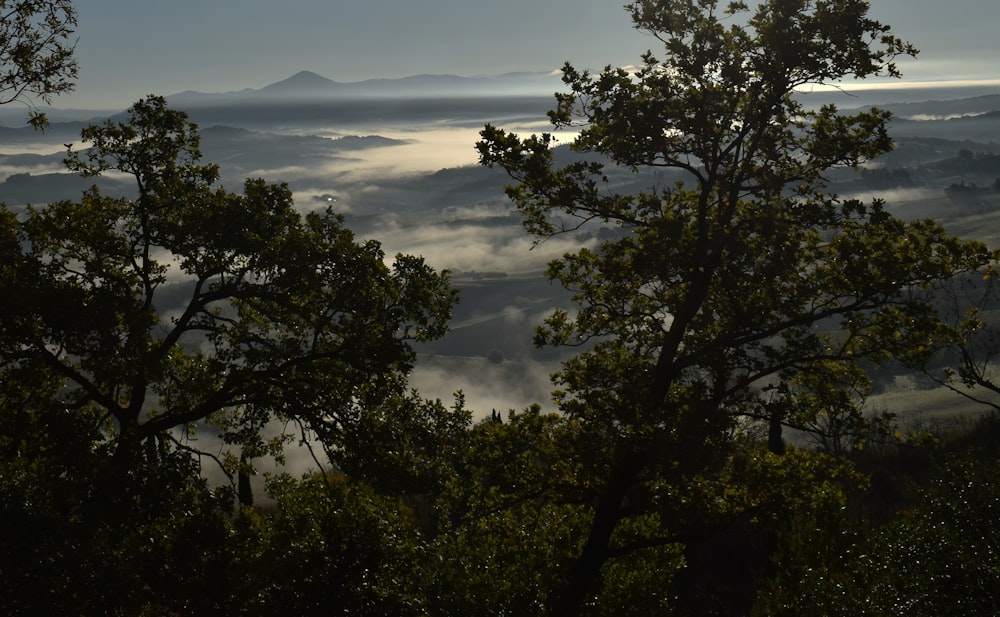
point(973, 221)
point(938, 408)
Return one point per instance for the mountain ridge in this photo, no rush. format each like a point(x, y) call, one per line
point(309, 85)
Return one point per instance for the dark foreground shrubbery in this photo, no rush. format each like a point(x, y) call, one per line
point(172, 545)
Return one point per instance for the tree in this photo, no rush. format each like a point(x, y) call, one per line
point(190, 303)
point(938, 554)
point(497, 534)
point(328, 546)
point(964, 360)
point(36, 52)
point(943, 555)
point(164, 543)
point(738, 293)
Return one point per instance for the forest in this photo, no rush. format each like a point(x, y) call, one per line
point(727, 320)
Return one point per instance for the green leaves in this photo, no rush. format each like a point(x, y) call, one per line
point(157, 145)
point(742, 292)
point(36, 53)
point(936, 556)
point(187, 301)
point(329, 544)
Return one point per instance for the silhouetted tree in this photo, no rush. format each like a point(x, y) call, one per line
point(742, 288)
point(188, 303)
point(36, 52)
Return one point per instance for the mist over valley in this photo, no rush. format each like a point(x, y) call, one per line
point(397, 159)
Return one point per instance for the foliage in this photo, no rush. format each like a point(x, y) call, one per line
point(167, 544)
point(328, 545)
point(944, 556)
point(965, 360)
point(74, 545)
point(131, 327)
point(501, 526)
point(404, 445)
point(503, 562)
point(743, 291)
point(937, 556)
point(36, 52)
point(190, 303)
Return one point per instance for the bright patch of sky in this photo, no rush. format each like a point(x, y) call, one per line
point(130, 49)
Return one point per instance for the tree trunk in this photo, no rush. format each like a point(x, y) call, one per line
point(243, 490)
point(583, 578)
point(775, 442)
point(128, 449)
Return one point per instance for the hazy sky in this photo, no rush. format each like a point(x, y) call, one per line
point(129, 49)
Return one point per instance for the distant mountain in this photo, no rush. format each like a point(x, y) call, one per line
point(944, 109)
point(301, 82)
point(976, 126)
point(57, 133)
point(309, 86)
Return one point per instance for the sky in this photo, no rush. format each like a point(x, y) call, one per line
point(127, 50)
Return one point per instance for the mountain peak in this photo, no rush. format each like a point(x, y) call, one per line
point(303, 81)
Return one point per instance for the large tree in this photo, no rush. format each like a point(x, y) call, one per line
point(739, 289)
point(187, 303)
point(36, 52)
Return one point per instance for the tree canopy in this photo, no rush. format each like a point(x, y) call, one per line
point(36, 52)
point(741, 290)
point(188, 302)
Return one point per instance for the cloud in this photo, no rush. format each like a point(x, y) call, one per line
point(896, 197)
point(469, 247)
point(514, 314)
point(317, 198)
point(423, 149)
point(35, 170)
point(932, 117)
point(459, 220)
point(486, 385)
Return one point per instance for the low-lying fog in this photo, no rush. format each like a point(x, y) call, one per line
point(405, 173)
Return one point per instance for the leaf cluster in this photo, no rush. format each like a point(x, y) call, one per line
point(36, 52)
point(188, 302)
